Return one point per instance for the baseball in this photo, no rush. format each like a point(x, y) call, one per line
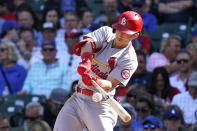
point(96, 97)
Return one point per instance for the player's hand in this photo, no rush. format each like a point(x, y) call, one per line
point(97, 80)
point(87, 79)
point(85, 65)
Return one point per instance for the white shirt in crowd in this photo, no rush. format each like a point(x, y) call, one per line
point(188, 105)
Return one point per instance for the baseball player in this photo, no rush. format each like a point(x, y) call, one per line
point(110, 60)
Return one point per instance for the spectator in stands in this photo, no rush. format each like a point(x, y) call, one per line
point(14, 4)
point(179, 79)
point(48, 31)
point(71, 21)
point(167, 56)
point(144, 107)
point(4, 123)
point(27, 18)
point(5, 12)
point(126, 126)
point(55, 102)
point(175, 10)
point(149, 19)
point(143, 42)
point(151, 122)
point(161, 90)
point(48, 74)
point(52, 15)
point(194, 34)
point(110, 11)
point(27, 48)
point(148, 5)
point(133, 93)
point(192, 48)
point(124, 5)
point(67, 56)
point(9, 31)
point(12, 75)
point(141, 75)
point(1, 24)
point(73, 5)
point(87, 24)
point(104, 21)
point(17, 3)
point(173, 119)
point(34, 111)
point(39, 126)
point(186, 101)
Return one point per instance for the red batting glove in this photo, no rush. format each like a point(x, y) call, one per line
point(87, 79)
point(97, 80)
point(85, 65)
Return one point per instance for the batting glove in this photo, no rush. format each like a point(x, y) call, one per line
point(97, 80)
point(85, 65)
point(87, 80)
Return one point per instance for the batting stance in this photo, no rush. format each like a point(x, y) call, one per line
point(109, 59)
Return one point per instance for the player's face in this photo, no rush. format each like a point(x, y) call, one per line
point(122, 39)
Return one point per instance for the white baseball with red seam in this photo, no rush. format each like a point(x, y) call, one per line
point(96, 97)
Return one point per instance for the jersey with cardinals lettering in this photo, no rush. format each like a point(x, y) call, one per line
point(108, 61)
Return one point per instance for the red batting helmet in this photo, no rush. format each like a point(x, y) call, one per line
point(129, 22)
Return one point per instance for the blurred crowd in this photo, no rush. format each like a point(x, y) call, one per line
point(36, 58)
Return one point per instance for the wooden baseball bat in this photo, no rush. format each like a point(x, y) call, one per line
point(123, 114)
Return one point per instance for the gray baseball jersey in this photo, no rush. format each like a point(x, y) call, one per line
point(80, 111)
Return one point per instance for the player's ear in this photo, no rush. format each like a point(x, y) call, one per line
point(136, 35)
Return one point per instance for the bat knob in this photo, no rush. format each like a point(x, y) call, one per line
point(96, 97)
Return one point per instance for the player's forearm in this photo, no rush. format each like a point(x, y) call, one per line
point(109, 83)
